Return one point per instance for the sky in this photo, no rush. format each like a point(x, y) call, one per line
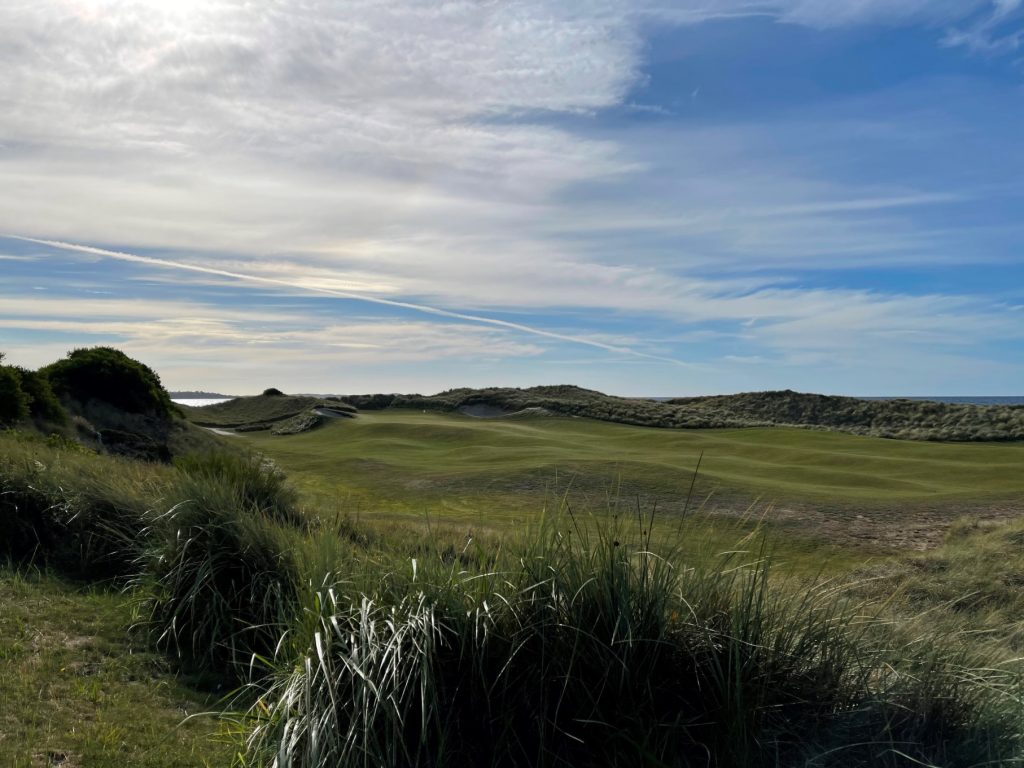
point(644, 197)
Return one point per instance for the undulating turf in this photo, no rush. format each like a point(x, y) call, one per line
point(497, 472)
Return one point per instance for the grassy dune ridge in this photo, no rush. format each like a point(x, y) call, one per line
point(581, 639)
point(905, 419)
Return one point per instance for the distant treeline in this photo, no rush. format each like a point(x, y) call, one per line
point(903, 419)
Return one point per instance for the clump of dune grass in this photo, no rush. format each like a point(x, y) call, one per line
point(583, 648)
point(218, 584)
point(237, 480)
point(66, 508)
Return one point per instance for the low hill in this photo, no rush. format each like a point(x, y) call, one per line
point(904, 419)
point(273, 410)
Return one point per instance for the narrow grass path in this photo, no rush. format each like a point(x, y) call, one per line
point(76, 691)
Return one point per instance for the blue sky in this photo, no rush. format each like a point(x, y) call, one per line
point(646, 198)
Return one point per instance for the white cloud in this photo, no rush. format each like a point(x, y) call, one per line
point(834, 13)
point(403, 151)
point(998, 32)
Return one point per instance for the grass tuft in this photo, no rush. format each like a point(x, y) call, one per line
point(581, 648)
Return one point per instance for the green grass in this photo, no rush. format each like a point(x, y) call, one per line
point(620, 634)
point(576, 644)
point(75, 682)
point(904, 419)
point(257, 411)
point(497, 472)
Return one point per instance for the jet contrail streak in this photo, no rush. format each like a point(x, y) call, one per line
point(426, 309)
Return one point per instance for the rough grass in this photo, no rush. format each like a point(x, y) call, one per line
point(973, 585)
point(63, 507)
point(581, 647)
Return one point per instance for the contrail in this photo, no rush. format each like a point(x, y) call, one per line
point(424, 308)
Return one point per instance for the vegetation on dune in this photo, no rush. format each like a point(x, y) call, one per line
point(973, 583)
point(44, 406)
point(243, 411)
point(582, 642)
point(904, 419)
point(14, 401)
point(109, 376)
point(219, 585)
point(73, 511)
point(102, 399)
point(907, 419)
point(272, 411)
point(585, 648)
point(296, 425)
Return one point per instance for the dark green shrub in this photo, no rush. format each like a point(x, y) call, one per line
point(110, 376)
point(43, 406)
point(14, 402)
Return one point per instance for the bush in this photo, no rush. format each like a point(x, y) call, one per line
point(110, 376)
point(14, 402)
point(44, 406)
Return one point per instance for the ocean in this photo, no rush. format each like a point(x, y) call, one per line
point(199, 402)
point(956, 400)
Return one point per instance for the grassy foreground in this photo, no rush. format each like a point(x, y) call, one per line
point(77, 690)
point(579, 641)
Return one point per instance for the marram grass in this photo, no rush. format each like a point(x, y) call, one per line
point(578, 649)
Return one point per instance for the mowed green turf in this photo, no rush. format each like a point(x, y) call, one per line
point(412, 462)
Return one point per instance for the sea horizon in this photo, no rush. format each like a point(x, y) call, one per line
point(199, 402)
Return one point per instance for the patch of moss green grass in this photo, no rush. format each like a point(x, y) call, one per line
point(75, 683)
